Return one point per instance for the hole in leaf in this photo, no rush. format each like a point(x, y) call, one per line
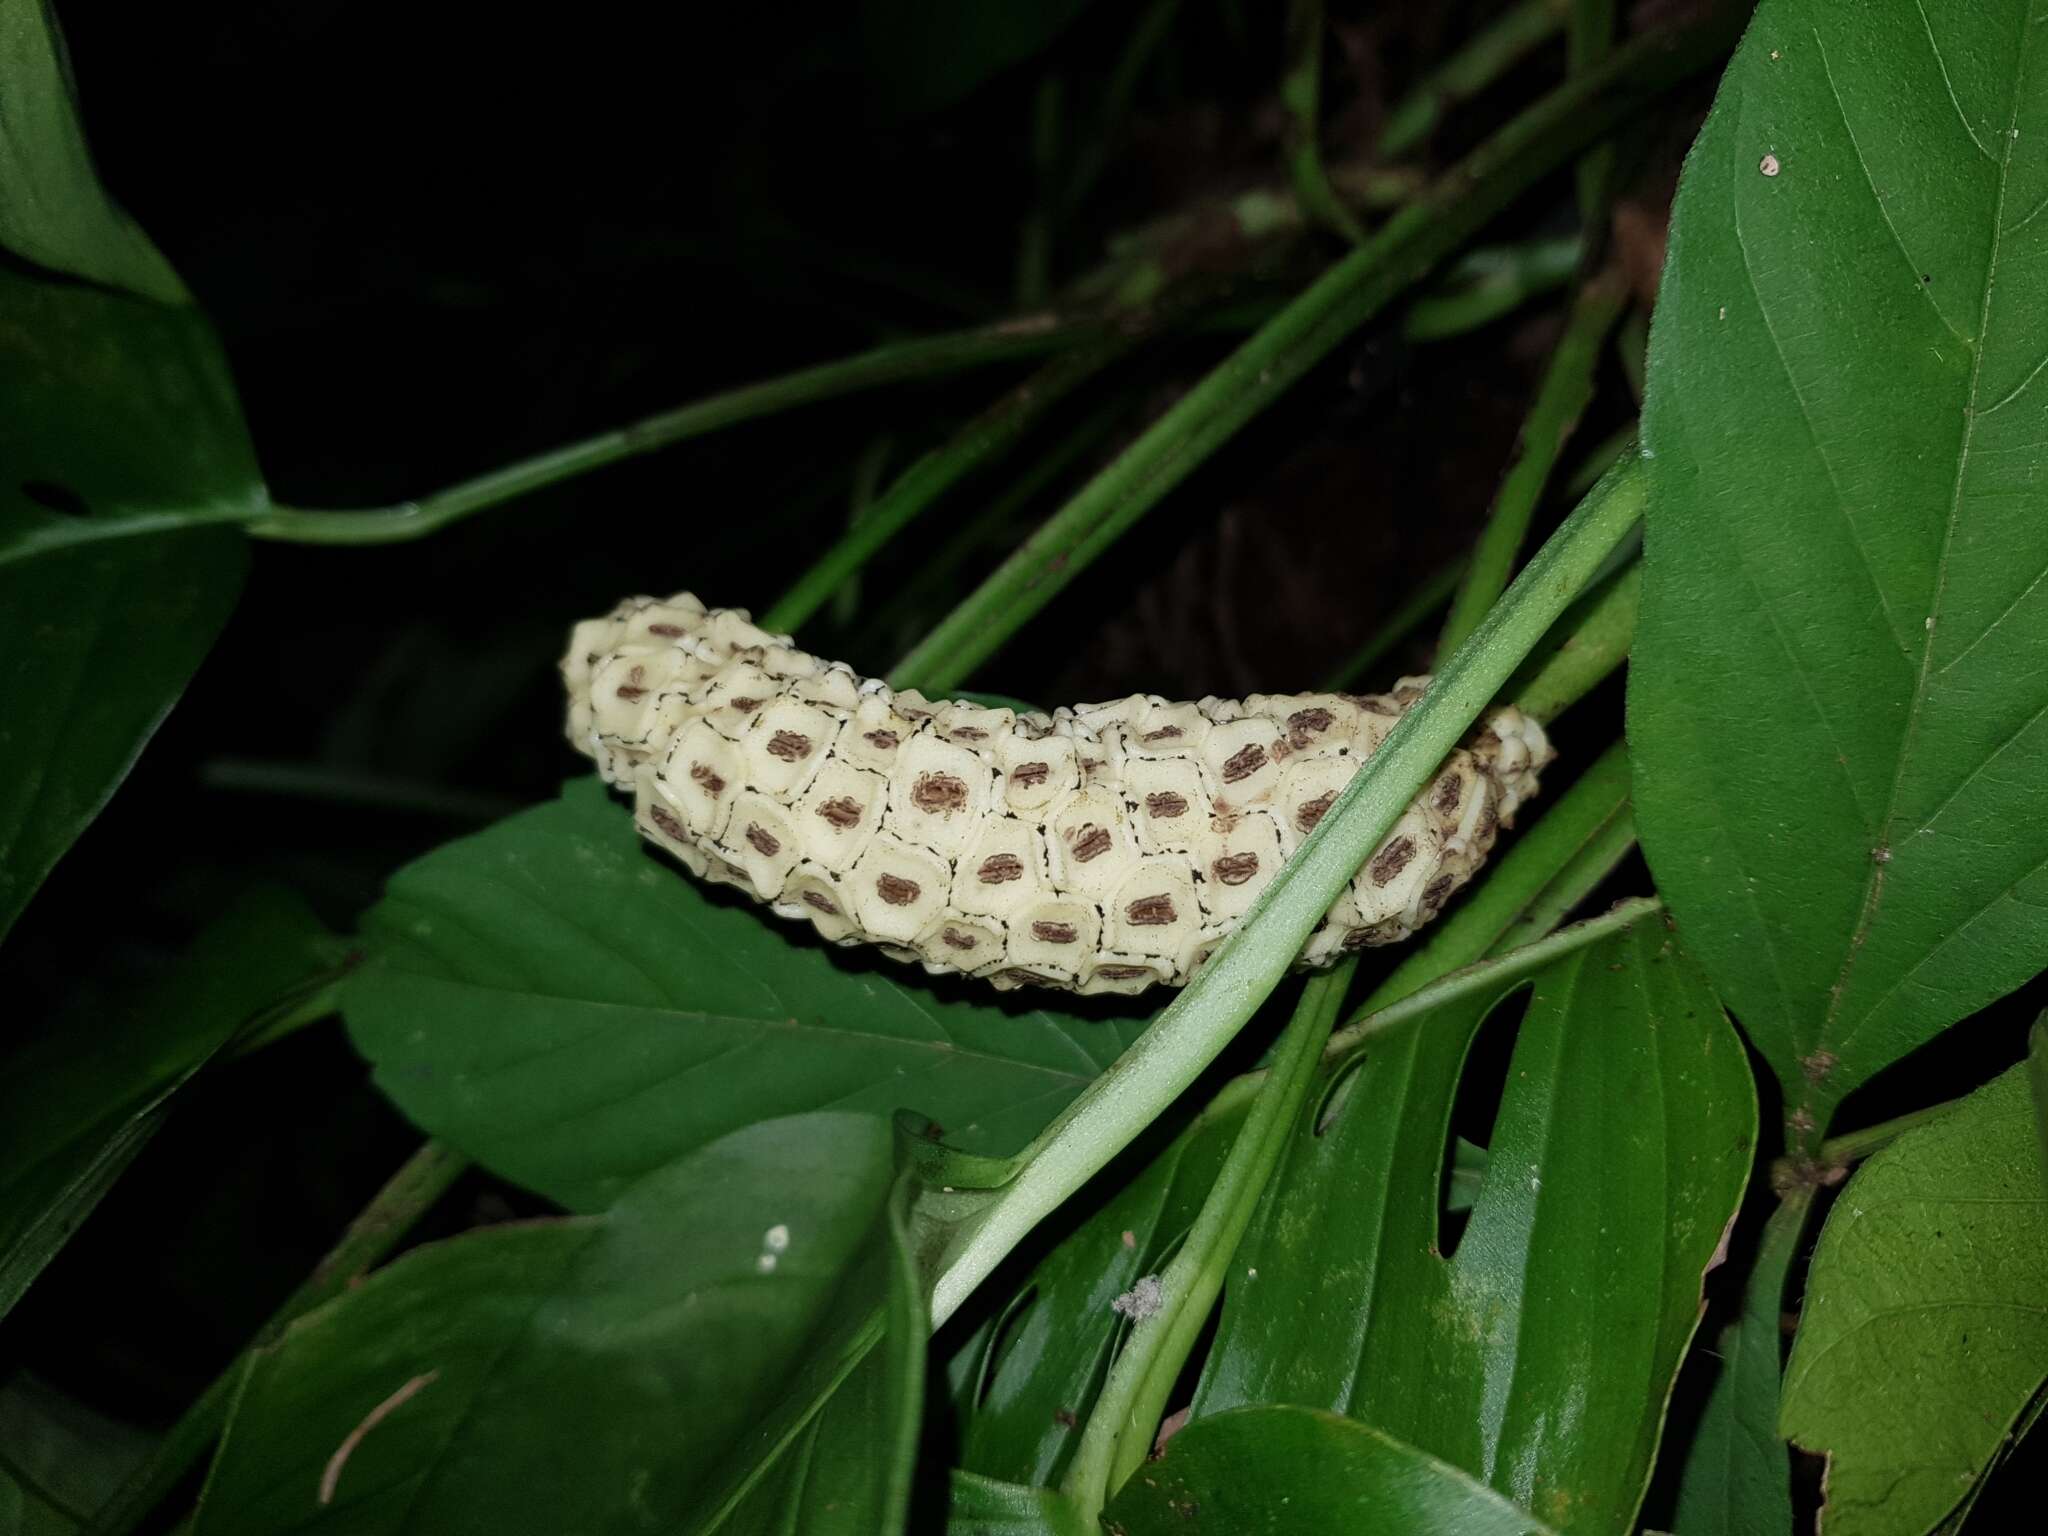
point(1482, 1082)
point(52, 497)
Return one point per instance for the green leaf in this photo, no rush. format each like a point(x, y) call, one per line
point(1836, 703)
point(1924, 1335)
point(1538, 1355)
point(101, 640)
point(121, 429)
point(80, 1098)
point(1737, 1473)
point(59, 1461)
point(570, 1011)
point(55, 213)
point(982, 1506)
point(1297, 1469)
point(621, 1372)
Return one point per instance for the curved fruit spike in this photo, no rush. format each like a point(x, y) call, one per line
point(1103, 848)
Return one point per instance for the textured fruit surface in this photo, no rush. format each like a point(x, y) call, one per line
point(1102, 848)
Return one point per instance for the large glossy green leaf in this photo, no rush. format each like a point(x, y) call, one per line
point(624, 1372)
point(59, 1461)
point(1924, 1335)
point(1287, 1469)
point(80, 1096)
point(570, 1011)
point(1836, 702)
point(1538, 1355)
point(121, 432)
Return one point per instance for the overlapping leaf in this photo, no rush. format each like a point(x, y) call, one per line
point(1924, 1337)
point(622, 1372)
point(571, 1012)
point(1837, 703)
point(1535, 1356)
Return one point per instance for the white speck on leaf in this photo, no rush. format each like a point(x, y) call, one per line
point(1141, 1301)
point(765, 1263)
point(1768, 165)
point(776, 1239)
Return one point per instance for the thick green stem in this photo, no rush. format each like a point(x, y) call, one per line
point(982, 440)
point(925, 357)
point(1251, 378)
point(1585, 650)
point(1487, 56)
point(423, 1179)
point(1487, 283)
point(1197, 1025)
point(1126, 1414)
point(1854, 1146)
point(1301, 95)
point(1566, 390)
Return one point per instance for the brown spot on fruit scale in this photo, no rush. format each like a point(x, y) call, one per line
point(1151, 912)
point(1054, 933)
point(1166, 805)
point(1090, 841)
point(896, 890)
point(706, 775)
point(1449, 791)
point(1304, 723)
point(1164, 733)
point(821, 901)
point(765, 843)
point(1235, 868)
point(939, 793)
point(1000, 867)
point(1029, 775)
point(842, 811)
point(1309, 812)
point(1391, 860)
point(630, 693)
point(666, 820)
point(955, 939)
point(790, 746)
point(1244, 762)
point(881, 741)
point(666, 631)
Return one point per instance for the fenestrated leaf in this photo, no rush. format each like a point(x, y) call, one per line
point(121, 433)
point(1836, 704)
point(1298, 1469)
point(82, 1096)
point(570, 1012)
point(1924, 1335)
point(1537, 1356)
point(55, 213)
point(59, 1460)
point(622, 1372)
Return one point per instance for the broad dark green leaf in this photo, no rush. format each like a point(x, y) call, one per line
point(101, 640)
point(1924, 1335)
point(1737, 1473)
point(55, 213)
point(121, 431)
point(929, 54)
point(59, 1461)
point(1836, 702)
point(1538, 1354)
point(570, 1011)
point(81, 1096)
point(1287, 1469)
point(624, 1372)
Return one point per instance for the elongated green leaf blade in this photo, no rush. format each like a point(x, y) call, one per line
point(1297, 1469)
point(1836, 701)
point(1924, 1335)
point(593, 1374)
point(571, 1012)
point(1538, 1356)
point(59, 1460)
